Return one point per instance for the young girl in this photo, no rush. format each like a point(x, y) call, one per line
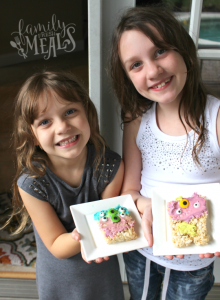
point(171, 135)
point(62, 160)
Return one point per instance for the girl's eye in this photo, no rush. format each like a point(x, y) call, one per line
point(160, 52)
point(135, 65)
point(70, 112)
point(44, 122)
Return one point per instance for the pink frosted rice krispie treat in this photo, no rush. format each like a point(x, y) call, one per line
point(187, 218)
point(116, 224)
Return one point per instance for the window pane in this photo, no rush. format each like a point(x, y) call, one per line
point(209, 36)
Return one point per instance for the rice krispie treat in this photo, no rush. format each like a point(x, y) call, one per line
point(187, 218)
point(116, 224)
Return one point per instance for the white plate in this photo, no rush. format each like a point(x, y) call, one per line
point(92, 239)
point(161, 231)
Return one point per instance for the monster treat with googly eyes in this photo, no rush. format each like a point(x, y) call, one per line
point(187, 218)
point(116, 224)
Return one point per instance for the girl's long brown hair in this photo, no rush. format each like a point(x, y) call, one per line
point(174, 37)
point(66, 86)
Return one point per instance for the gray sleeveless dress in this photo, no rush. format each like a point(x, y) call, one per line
point(72, 278)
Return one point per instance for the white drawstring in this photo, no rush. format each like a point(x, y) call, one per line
point(147, 281)
point(165, 283)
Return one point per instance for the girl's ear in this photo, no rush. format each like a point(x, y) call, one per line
point(36, 143)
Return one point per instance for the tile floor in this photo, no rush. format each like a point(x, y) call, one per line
point(25, 289)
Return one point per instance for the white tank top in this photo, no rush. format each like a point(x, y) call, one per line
point(164, 161)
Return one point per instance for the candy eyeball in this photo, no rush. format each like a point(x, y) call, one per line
point(184, 203)
point(122, 214)
point(112, 211)
point(121, 210)
point(104, 219)
point(115, 219)
point(196, 205)
point(178, 211)
point(101, 214)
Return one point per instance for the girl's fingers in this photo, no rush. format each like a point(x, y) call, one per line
point(101, 259)
point(180, 256)
point(207, 255)
point(169, 256)
point(76, 235)
point(106, 258)
point(146, 224)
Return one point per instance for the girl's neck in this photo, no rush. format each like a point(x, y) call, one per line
point(168, 120)
point(70, 170)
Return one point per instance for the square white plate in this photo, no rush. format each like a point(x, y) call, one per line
point(92, 240)
point(161, 230)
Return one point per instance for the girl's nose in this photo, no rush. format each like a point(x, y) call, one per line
point(153, 70)
point(62, 126)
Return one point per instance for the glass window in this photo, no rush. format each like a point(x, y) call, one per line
point(209, 36)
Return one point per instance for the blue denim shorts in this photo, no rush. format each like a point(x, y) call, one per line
point(183, 285)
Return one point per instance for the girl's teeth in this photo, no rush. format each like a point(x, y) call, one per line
point(68, 141)
point(162, 84)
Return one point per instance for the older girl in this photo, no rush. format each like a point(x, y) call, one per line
point(171, 135)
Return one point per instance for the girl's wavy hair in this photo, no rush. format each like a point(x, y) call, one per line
point(32, 159)
point(174, 37)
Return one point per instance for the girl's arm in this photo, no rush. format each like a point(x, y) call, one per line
point(132, 176)
point(49, 227)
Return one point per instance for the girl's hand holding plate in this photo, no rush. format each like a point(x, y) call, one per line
point(76, 236)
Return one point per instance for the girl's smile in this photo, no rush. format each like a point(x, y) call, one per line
point(65, 143)
point(61, 128)
point(162, 84)
point(157, 74)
